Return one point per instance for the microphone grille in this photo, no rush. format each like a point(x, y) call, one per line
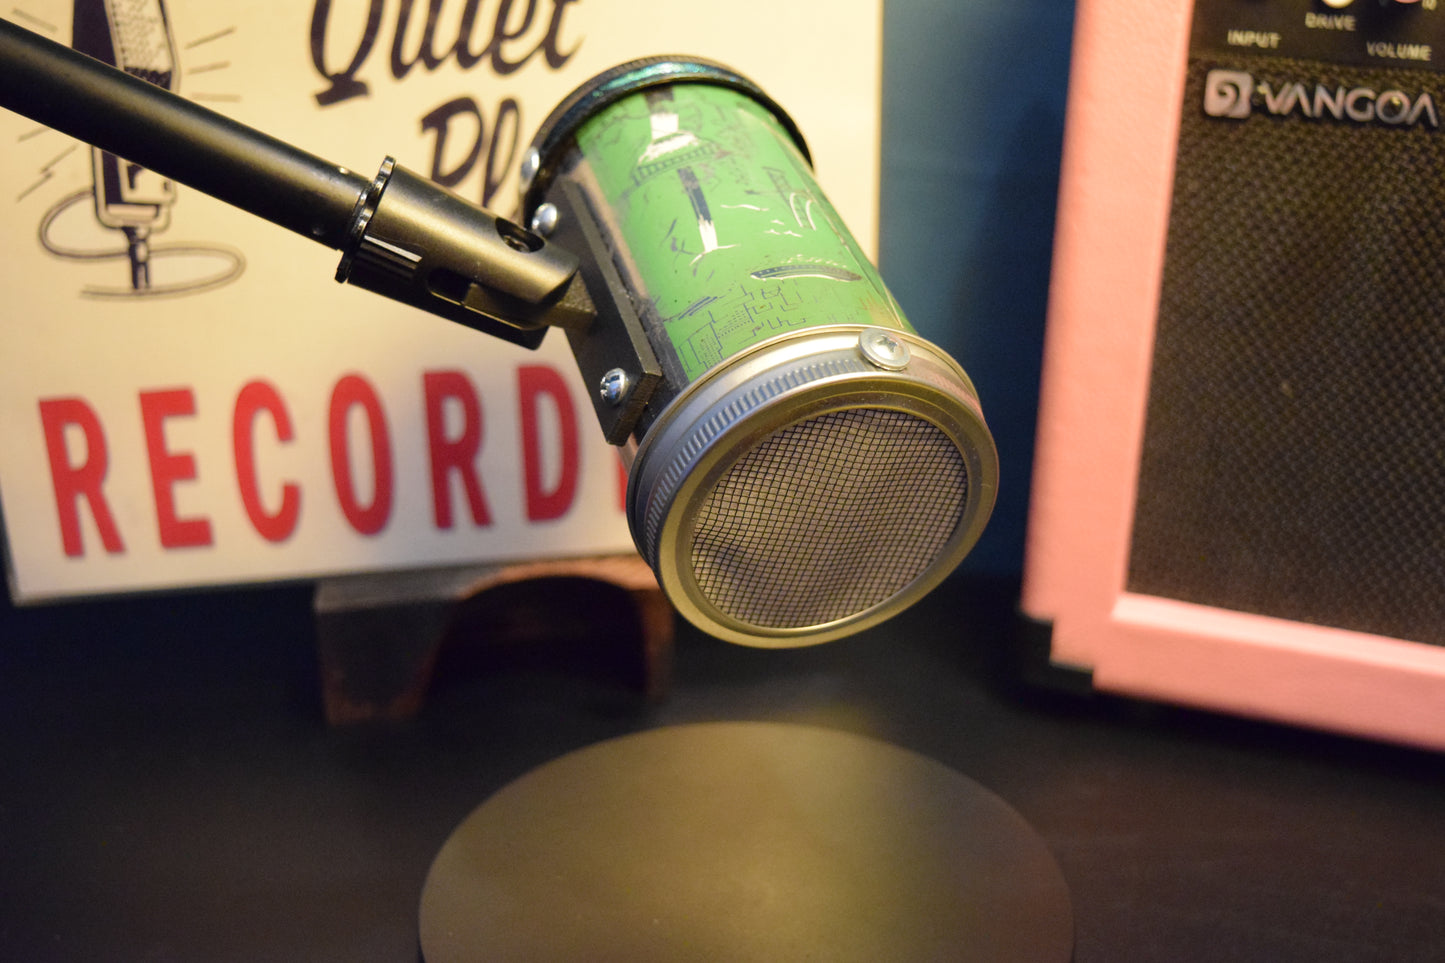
point(799, 492)
point(828, 518)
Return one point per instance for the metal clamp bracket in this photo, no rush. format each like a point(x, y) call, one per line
point(616, 342)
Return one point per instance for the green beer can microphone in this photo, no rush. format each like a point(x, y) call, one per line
point(802, 464)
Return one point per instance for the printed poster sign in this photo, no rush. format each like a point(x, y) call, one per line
point(188, 398)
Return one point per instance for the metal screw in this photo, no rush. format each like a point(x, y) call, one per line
point(544, 222)
point(883, 350)
point(615, 385)
point(531, 164)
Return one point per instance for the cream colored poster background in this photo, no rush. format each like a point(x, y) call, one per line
point(76, 339)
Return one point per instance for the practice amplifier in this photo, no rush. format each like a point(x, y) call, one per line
point(1239, 495)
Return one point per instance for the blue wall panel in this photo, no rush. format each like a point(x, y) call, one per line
point(973, 109)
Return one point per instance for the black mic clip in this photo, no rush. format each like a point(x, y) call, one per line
point(416, 243)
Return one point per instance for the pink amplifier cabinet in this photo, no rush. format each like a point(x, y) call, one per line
point(1239, 499)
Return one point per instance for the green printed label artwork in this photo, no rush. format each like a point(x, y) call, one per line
point(751, 248)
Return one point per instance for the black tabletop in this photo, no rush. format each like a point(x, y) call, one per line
point(169, 790)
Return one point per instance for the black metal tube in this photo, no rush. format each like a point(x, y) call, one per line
point(72, 93)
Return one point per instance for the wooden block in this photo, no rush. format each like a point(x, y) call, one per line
point(380, 637)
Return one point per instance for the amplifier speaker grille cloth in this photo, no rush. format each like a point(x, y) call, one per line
point(1294, 455)
point(828, 518)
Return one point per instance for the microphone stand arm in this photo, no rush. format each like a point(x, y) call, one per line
point(399, 234)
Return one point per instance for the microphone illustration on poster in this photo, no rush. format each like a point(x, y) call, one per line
point(134, 36)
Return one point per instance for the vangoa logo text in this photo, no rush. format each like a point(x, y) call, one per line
point(1235, 95)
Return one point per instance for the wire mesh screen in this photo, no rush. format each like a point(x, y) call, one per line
point(828, 518)
point(1294, 454)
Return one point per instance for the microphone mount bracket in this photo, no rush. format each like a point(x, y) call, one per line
point(616, 341)
point(413, 242)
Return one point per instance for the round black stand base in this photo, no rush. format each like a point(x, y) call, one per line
point(745, 841)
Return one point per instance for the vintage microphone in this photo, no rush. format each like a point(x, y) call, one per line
point(136, 38)
point(803, 464)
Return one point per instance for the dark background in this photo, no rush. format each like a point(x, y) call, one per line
point(973, 116)
point(170, 791)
